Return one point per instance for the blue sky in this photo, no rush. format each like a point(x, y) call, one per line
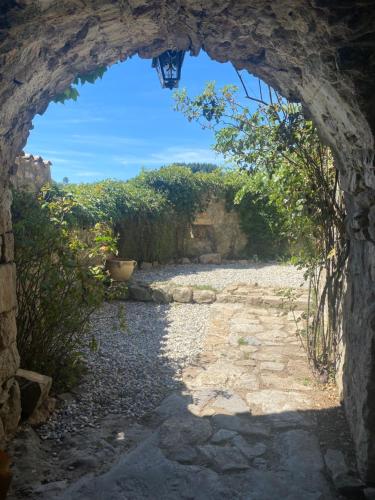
point(126, 121)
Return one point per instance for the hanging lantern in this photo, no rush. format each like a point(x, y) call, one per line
point(168, 65)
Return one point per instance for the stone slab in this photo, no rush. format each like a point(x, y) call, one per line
point(35, 388)
point(276, 401)
point(223, 459)
point(183, 294)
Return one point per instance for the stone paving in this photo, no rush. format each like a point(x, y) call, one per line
point(244, 427)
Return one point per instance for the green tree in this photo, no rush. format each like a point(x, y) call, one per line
point(57, 289)
point(72, 93)
point(291, 177)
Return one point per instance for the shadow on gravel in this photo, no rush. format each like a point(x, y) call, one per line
point(149, 442)
point(219, 457)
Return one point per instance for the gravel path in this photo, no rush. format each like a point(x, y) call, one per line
point(142, 348)
point(218, 277)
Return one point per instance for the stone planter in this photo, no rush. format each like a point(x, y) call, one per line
point(120, 269)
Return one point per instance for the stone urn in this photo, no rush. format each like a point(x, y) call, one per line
point(120, 269)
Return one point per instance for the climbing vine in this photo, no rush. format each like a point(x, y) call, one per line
point(292, 181)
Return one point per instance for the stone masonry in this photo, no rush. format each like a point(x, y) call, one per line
point(316, 51)
point(30, 172)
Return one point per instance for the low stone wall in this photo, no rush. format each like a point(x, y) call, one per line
point(217, 230)
point(30, 173)
point(164, 293)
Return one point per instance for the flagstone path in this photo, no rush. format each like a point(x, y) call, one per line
point(245, 426)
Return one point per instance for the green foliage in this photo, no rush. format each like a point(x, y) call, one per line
point(151, 213)
point(205, 287)
point(285, 201)
point(57, 289)
point(200, 167)
point(290, 202)
point(71, 93)
point(112, 201)
point(180, 186)
point(242, 341)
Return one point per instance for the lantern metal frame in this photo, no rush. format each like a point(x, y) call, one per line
point(168, 66)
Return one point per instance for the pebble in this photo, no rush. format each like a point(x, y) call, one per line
point(143, 348)
point(220, 276)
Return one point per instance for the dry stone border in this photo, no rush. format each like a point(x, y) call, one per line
point(164, 293)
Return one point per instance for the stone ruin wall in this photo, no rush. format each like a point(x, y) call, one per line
point(30, 172)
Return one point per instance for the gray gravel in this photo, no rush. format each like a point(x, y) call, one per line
point(219, 276)
point(142, 348)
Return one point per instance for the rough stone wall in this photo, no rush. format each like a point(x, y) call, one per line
point(317, 51)
point(10, 407)
point(30, 172)
point(216, 230)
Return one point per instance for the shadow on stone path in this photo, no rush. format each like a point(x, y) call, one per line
point(245, 425)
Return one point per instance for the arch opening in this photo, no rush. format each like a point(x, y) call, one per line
point(311, 51)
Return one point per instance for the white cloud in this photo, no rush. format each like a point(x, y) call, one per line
point(78, 121)
point(173, 154)
point(107, 140)
point(48, 153)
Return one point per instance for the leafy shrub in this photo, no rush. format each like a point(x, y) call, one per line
point(57, 289)
point(181, 187)
point(151, 213)
point(207, 168)
point(294, 192)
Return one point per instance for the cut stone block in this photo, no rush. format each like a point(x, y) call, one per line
point(161, 295)
point(344, 479)
point(139, 292)
point(204, 296)
point(9, 362)
point(34, 390)
point(182, 294)
point(224, 459)
point(10, 410)
point(42, 414)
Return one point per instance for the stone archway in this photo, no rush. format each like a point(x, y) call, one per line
point(315, 51)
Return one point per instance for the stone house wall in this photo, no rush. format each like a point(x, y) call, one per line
point(30, 172)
